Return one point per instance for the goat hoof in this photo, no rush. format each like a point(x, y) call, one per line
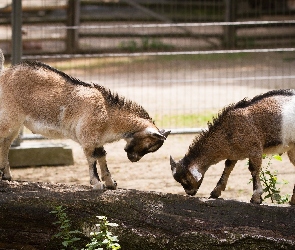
point(98, 186)
point(113, 186)
point(4, 178)
point(255, 201)
point(214, 195)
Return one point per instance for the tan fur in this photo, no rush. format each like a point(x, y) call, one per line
point(56, 105)
point(247, 129)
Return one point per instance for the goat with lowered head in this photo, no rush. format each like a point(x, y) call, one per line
point(56, 105)
point(247, 129)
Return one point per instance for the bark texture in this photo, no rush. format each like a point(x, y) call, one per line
point(147, 220)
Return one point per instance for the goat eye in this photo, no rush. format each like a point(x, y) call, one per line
point(153, 148)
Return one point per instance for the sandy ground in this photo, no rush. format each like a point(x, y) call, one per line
point(149, 84)
point(152, 172)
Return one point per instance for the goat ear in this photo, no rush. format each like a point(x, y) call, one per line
point(173, 165)
point(196, 174)
point(159, 136)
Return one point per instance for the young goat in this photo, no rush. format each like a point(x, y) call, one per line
point(247, 129)
point(51, 103)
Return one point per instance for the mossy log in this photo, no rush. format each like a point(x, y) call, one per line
point(147, 220)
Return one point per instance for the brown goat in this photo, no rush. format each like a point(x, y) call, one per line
point(247, 129)
point(51, 103)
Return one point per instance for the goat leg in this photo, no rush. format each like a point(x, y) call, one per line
point(254, 167)
point(292, 201)
point(106, 176)
point(5, 173)
point(221, 184)
point(94, 177)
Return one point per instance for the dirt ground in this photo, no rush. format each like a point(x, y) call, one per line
point(152, 172)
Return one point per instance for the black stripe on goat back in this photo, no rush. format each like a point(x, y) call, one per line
point(114, 99)
point(248, 102)
point(40, 65)
point(277, 92)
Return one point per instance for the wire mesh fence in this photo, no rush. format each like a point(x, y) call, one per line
point(181, 60)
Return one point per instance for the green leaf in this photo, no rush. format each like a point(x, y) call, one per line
point(277, 157)
point(75, 239)
point(65, 243)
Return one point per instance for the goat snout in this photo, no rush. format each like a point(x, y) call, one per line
point(191, 192)
point(133, 157)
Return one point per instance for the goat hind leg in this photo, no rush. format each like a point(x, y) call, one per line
point(254, 167)
point(291, 155)
point(221, 184)
point(292, 201)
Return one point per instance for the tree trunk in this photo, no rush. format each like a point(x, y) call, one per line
point(147, 220)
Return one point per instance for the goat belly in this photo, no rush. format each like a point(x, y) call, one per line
point(280, 149)
point(45, 129)
point(288, 122)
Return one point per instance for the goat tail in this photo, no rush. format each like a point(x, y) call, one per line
point(1, 61)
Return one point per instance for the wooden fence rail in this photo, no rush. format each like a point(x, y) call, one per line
point(71, 14)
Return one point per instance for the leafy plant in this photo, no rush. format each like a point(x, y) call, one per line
point(270, 181)
point(103, 238)
point(65, 234)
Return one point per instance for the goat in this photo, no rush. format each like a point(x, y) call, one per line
point(49, 102)
point(247, 129)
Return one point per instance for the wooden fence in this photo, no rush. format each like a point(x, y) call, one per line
point(75, 21)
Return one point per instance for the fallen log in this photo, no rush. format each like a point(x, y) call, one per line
point(147, 220)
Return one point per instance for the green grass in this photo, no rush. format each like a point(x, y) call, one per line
point(94, 63)
point(206, 57)
point(104, 63)
point(185, 120)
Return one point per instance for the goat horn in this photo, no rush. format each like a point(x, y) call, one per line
point(172, 164)
point(165, 133)
point(156, 133)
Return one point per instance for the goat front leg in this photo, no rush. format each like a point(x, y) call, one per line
point(221, 184)
point(106, 176)
point(5, 143)
point(254, 167)
point(94, 177)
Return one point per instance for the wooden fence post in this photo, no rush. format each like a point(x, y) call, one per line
point(16, 22)
point(73, 19)
point(230, 30)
